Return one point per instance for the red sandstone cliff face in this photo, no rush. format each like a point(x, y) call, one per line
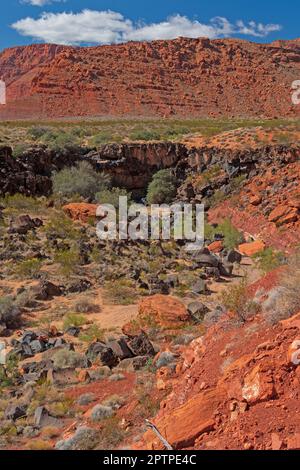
point(183, 77)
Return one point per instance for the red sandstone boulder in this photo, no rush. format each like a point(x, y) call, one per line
point(183, 425)
point(81, 211)
point(164, 310)
point(216, 247)
point(255, 200)
point(284, 214)
point(250, 249)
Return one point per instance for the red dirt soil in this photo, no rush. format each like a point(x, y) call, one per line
point(182, 77)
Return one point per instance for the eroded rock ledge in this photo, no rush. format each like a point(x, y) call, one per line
point(132, 165)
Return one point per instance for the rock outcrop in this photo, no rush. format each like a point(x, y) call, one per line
point(129, 165)
point(232, 394)
point(181, 77)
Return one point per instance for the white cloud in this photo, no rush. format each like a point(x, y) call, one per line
point(40, 3)
point(106, 27)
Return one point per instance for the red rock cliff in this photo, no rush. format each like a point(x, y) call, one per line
point(182, 77)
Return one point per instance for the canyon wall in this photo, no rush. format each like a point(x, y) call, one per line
point(182, 77)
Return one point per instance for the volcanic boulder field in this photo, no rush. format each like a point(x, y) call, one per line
point(96, 336)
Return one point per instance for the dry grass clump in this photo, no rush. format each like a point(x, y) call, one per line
point(284, 301)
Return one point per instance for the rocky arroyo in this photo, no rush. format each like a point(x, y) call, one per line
point(130, 165)
point(181, 77)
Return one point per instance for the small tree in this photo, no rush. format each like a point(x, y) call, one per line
point(81, 179)
point(162, 188)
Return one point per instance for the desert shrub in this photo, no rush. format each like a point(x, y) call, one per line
point(10, 375)
point(209, 231)
point(209, 175)
point(9, 313)
point(19, 149)
point(68, 261)
point(92, 333)
point(269, 259)
point(72, 319)
point(39, 444)
point(57, 139)
point(100, 412)
point(148, 404)
point(96, 255)
point(217, 197)
point(145, 135)
point(81, 179)
point(64, 359)
point(61, 226)
point(237, 182)
point(162, 188)
point(120, 292)
point(50, 432)
point(63, 407)
point(114, 401)
point(111, 196)
point(101, 138)
point(36, 132)
point(86, 399)
point(85, 306)
point(236, 301)
point(176, 132)
point(19, 202)
point(8, 430)
point(232, 236)
point(80, 132)
point(84, 439)
point(285, 299)
point(25, 298)
point(111, 435)
point(29, 268)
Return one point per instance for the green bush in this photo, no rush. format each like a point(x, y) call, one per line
point(19, 202)
point(120, 292)
point(60, 226)
point(19, 149)
point(269, 259)
point(73, 319)
point(81, 179)
point(29, 268)
point(101, 138)
point(145, 135)
point(162, 188)
point(37, 132)
point(68, 260)
point(111, 196)
point(236, 300)
point(64, 359)
point(232, 237)
point(58, 139)
point(94, 332)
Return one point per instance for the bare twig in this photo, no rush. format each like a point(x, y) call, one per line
point(160, 437)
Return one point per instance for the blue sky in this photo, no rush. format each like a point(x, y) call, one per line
point(92, 22)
